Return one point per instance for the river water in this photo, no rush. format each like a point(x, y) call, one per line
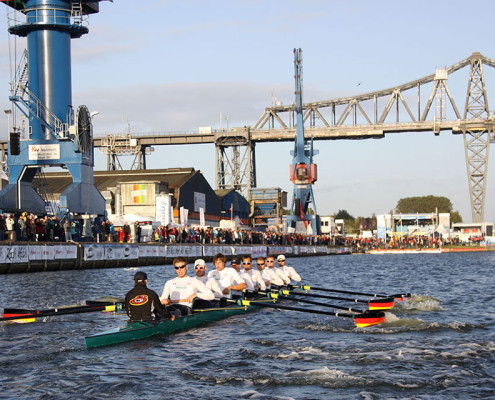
point(440, 345)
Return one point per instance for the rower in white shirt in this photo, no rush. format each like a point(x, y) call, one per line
point(289, 271)
point(200, 270)
point(178, 293)
point(227, 278)
point(268, 275)
point(234, 263)
point(270, 263)
point(254, 274)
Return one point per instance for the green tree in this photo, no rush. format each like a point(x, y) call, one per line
point(343, 214)
point(424, 204)
point(455, 217)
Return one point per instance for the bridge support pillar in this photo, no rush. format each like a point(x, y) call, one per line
point(235, 161)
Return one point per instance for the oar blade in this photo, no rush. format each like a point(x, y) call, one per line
point(381, 304)
point(18, 312)
point(369, 318)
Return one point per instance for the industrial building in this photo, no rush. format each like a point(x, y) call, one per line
point(161, 194)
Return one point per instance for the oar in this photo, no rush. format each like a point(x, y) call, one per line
point(398, 296)
point(317, 303)
point(376, 304)
point(367, 318)
point(30, 315)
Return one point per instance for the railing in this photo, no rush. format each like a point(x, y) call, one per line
point(47, 16)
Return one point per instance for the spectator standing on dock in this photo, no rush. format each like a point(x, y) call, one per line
point(127, 232)
point(67, 231)
point(31, 228)
point(289, 271)
point(137, 230)
point(10, 223)
point(22, 221)
point(3, 227)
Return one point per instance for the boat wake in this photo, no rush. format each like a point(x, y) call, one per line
point(419, 302)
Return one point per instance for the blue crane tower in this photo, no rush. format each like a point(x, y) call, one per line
point(303, 172)
point(41, 89)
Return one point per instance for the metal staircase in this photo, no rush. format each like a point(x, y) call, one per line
point(21, 95)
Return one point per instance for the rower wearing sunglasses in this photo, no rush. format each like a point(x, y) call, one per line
point(268, 275)
point(270, 263)
point(179, 293)
point(200, 270)
point(254, 274)
point(227, 278)
point(289, 271)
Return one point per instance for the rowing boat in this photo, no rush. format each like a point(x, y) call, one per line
point(143, 329)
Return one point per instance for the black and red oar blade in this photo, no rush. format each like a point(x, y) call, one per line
point(381, 304)
point(18, 313)
point(369, 318)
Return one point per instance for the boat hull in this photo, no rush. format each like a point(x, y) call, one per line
point(142, 330)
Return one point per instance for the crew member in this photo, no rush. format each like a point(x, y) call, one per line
point(254, 274)
point(268, 274)
point(179, 293)
point(270, 263)
point(227, 278)
point(234, 263)
point(200, 270)
point(141, 303)
point(289, 271)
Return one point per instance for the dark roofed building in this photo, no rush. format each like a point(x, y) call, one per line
point(137, 191)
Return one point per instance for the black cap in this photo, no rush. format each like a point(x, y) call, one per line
point(235, 261)
point(140, 276)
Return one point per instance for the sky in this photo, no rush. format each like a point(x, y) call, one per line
point(177, 65)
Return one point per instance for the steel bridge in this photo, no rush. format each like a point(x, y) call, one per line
point(423, 105)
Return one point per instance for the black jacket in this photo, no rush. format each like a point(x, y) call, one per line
point(142, 304)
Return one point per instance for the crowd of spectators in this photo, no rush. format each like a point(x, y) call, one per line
point(215, 235)
point(30, 228)
point(362, 245)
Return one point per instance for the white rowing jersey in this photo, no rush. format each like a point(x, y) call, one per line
point(282, 275)
point(291, 273)
point(181, 288)
point(269, 274)
point(256, 279)
point(211, 284)
point(226, 277)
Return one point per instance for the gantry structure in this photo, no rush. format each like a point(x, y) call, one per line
point(423, 105)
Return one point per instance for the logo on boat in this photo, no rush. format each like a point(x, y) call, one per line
point(139, 300)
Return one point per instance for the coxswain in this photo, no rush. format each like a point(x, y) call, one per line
point(270, 263)
point(227, 278)
point(289, 271)
point(179, 293)
point(254, 274)
point(200, 270)
point(142, 303)
point(268, 274)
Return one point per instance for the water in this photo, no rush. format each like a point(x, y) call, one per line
point(441, 345)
